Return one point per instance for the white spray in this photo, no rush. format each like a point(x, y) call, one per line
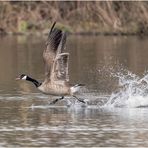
point(132, 92)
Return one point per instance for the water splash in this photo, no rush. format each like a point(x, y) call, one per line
point(132, 91)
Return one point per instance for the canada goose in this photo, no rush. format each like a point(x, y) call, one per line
point(56, 68)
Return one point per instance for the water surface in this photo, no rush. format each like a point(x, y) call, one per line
point(114, 70)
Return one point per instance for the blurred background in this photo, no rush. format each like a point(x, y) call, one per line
point(106, 17)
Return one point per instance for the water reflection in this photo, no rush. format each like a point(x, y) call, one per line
point(88, 55)
point(91, 61)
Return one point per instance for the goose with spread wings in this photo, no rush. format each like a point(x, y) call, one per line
point(56, 68)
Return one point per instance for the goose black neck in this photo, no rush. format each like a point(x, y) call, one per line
point(35, 82)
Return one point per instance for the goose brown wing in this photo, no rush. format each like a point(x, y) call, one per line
point(60, 68)
point(61, 46)
point(49, 53)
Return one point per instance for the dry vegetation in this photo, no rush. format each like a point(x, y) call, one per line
point(77, 16)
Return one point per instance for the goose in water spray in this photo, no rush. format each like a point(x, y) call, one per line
point(56, 68)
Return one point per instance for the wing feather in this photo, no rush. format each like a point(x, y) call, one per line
point(60, 68)
point(56, 62)
point(62, 47)
point(49, 54)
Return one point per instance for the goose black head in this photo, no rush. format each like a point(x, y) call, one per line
point(25, 77)
point(22, 77)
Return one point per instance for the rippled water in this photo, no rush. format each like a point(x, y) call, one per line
point(114, 70)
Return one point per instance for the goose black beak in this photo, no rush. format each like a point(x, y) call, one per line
point(17, 78)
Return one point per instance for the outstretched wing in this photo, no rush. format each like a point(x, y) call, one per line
point(49, 54)
point(61, 46)
point(60, 68)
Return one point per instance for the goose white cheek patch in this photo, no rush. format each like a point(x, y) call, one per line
point(24, 78)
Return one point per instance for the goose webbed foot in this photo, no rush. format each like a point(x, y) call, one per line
point(80, 100)
point(56, 100)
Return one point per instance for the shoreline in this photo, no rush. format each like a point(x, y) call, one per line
point(38, 33)
point(76, 17)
